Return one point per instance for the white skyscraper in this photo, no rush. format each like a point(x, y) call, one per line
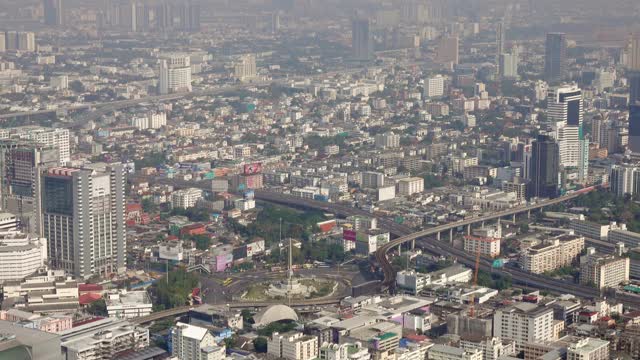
point(174, 74)
point(564, 109)
point(509, 64)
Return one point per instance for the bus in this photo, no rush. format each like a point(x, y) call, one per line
point(227, 282)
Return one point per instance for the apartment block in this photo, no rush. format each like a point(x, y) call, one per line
point(603, 271)
point(552, 254)
point(524, 322)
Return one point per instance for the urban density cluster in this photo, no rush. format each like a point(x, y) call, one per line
point(319, 180)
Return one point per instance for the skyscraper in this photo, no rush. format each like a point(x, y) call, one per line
point(174, 74)
point(53, 12)
point(448, 50)
point(361, 41)
point(499, 46)
point(83, 219)
point(564, 108)
point(634, 127)
point(21, 165)
point(508, 65)
point(633, 76)
point(544, 168)
point(555, 56)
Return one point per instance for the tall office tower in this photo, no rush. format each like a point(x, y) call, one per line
point(245, 68)
point(3, 44)
point(634, 127)
point(21, 165)
point(448, 50)
point(163, 16)
point(508, 65)
point(53, 12)
point(275, 23)
point(633, 76)
point(83, 219)
point(26, 41)
point(361, 41)
point(500, 38)
point(142, 17)
point(555, 57)
point(127, 18)
point(174, 74)
point(544, 168)
point(565, 104)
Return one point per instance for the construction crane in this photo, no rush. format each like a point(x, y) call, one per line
point(472, 297)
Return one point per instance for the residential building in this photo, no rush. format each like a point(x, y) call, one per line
point(552, 254)
point(129, 304)
point(630, 239)
point(174, 74)
point(588, 349)
point(594, 230)
point(523, 323)
point(624, 179)
point(186, 198)
point(83, 215)
point(245, 68)
point(603, 271)
point(433, 87)
point(292, 346)
point(486, 246)
point(413, 351)
point(21, 255)
point(372, 180)
point(387, 140)
point(189, 342)
point(103, 339)
point(410, 186)
point(448, 50)
point(492, 347)
point(53, 12)
point(446, 352)
point(565, 105)
point(346, 351)
point(508, 64)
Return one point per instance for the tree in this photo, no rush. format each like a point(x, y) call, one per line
point(148, 205)
point(260, 344)
point(98, 308)
point(175, 291)
point(77, 86)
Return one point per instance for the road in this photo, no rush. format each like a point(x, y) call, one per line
point(407, 235)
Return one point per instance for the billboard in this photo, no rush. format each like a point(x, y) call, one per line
point(223, 262)
point(349, 235)
point(255, 248)
point(251, 169)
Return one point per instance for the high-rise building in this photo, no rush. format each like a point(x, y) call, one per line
point(58, 138)
point(603, 271)
point(508, 65)
point(292, 346)
point(361, 40)
point(25, 41)
point(245, 68)
point(634, 53)
point(555, 56)
point(53, 12)
point(3, 42)
point(21, 165)
point(83, 219)
point(174, 74)
point(433, 87)
point(448, 50)
point(624, 179)
point(189, 342)
point(189, 15)
point(102, 339)
point(565, 104)
point(500, 38)
point(544, 168)
point(634, 127)
point(583, 159)
point(21, 255)
point(588, 349)
point(524, 322)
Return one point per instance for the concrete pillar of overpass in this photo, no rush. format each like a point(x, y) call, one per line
point(413, 244)
point(451, 235)
point(528, 214)
point(469, 229)
point(482, 223)
point(438, 236)
point(514, 218)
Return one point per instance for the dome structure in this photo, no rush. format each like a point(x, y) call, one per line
point(274, 313)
